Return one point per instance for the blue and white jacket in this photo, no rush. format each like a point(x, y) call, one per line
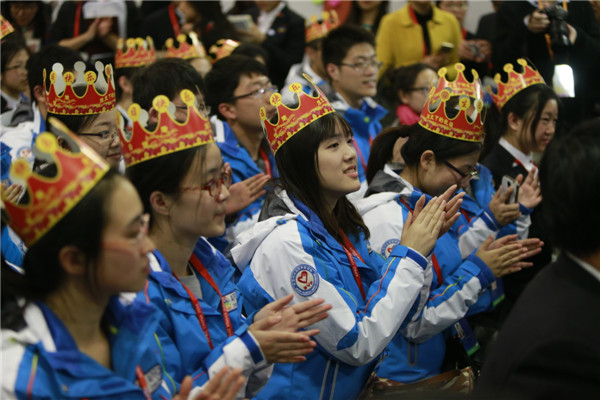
point(458, 288)
point(184, 346)
point(41, 360)
point(365, 126)
point(294, 254)
point(243, 167)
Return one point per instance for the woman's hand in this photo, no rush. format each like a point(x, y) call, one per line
point(244, 193)
point(223, 386)
point(504, 212)
point(423, 225)
point(530, 194)
point(504, 256)
point(12, 193)
point(452, 208)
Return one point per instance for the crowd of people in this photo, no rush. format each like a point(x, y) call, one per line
point(247, 204)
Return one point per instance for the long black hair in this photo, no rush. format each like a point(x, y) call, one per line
point(298, 167)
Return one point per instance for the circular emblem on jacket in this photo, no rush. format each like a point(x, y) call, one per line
point(305, 280)
point(387, 247)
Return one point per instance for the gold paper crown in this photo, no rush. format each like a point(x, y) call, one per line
point(51, 198)
point(134, 52)
point(467, 124)
point(291, 120)
point(5, 27)
point(99, 93)
point(516, 82)
point(319, 29)
point(169, 136)
point(185, 50)
point(222, 48)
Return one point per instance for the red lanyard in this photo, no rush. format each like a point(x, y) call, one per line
point(174, 20)
point(142, 381)
point(351, 253)
point(434, 260)
point(76, 22)
point(265, 158)
point(199, 313)
point(466, 215)
point(464, 33)
point(413, 16)
point(360, 155)
point(198, 266)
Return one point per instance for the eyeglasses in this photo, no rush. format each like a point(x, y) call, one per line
point(472, 173)
point(134, 243)
point(360, 66)
point(203, 108)
point(214, 185)
point(257, 94)
point(423, 89)
point(104, 135)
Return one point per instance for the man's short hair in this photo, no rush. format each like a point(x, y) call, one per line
point(45, 59)
point(167, 76)
point(224, 78)
point(339, 41)
point(570, 182)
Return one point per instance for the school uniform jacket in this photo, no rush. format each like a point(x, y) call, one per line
point(293, 253)
point(184, 345)
point(41, 360)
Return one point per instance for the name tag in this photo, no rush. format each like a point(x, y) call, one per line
point(230, 301)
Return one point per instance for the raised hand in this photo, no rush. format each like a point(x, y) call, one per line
point(224, 385)
point(295, 317)
point(504, 256)
point(244, 193)
point(530, 194)
point(452, 208)
point(423, 225)
point(12, 193)
point(503, 212)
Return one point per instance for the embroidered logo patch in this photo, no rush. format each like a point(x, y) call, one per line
point(387, 247)
point(230, 301)
point(305, 280)
point(153, 378)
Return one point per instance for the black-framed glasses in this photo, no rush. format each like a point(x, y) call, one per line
point(257, 93)
point(214, 185)
point(104, 135)
point(360, 66)
point(464, 175)
point(423, 89)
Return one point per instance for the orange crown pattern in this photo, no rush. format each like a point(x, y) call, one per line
point(319, 29)
point(516, 82)
point(222, 48)
point(469, 100)
point(51, 198)
point(185, 50)
point(291, 120)
point(99, 93)
point(134, 52)
point(169, 136)
point(5, 27)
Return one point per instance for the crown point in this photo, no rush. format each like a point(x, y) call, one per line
point(90, 77)
point(134, 112)
point(181, 38)
point(442, 71)
point(169, 42)
point(275, 99)
point(263, 113)
point(188, 97)
point(508, 68)
point(296, 87)
point(445, 94)
point(20, 170)
point(69, 78)
point(161, 103)
point(460, 67)
point(464, 103)
point(522, 61)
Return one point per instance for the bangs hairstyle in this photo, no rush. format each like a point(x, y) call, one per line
point(82, 228)
point(298, 167)
point(444, 148)
point(527, 105)
point(164, 174)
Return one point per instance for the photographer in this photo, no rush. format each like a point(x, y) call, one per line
point(549, 34)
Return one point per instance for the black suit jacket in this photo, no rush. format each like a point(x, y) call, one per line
point(549, 345)
point(284, 43)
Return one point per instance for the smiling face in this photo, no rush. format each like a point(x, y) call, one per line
point(546, 127)
point(123, 265)
point(437, 176)
point(356, 77)
point(194, 212)
point(245, 111)
point(336, 166)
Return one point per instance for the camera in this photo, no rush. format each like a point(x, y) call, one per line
point(558, 30)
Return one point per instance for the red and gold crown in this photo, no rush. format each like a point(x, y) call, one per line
point(461, 96)
point(99, 95)
point(134, 52)
point(5, 27)
point(185, 50)
point(222, 48)
point(291, 120)
point(516, 82)
point(319, 29)
point(51, 198)
point(169, 136)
